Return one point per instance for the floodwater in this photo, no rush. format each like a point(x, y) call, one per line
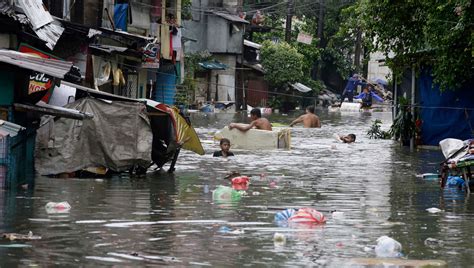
point(172, 220)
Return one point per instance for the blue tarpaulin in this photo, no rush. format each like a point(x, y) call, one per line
point(447, 114)
point(165, 85)
point(120, 16)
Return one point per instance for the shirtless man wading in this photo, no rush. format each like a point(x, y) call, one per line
point(309, 119)
point(257, 121)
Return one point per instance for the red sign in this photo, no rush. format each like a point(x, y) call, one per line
point(38, 81)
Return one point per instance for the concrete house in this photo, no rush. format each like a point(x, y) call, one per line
point(216, 28)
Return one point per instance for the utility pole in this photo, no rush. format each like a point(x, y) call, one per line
point(289, 17)
point(320, 36)
point(358, 48)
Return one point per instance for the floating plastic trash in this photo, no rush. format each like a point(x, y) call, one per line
point(433, 243)
point(433, 210)
point(388, 247)
point(284, 215)
point(226, 194)
point(279, 238)
point(307, 215)
point(15, 236)
point(240, 183)
point(224, 229)
point(61, 207)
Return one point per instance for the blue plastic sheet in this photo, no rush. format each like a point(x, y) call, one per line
point(120, 16)
point(447, 114)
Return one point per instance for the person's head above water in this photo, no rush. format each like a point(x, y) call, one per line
point(255, 114)
point(349, 138)
point(225, 144)
point(310, 109)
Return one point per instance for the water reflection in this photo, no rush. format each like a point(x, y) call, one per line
point(172, 218)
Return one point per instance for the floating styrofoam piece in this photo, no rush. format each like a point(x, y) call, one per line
point(433, 210)
point(256, 139)
point(350, 107)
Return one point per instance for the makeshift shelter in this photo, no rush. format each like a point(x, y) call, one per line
point(141, 122)
point(118, 137)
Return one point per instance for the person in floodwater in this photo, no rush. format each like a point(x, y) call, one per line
point(366, 96)
point(225, 147)
point(351, 87)
point(350, 138)
point(257, 121)
point(309, 119)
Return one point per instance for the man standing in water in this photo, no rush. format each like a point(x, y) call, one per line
point(257, 121)
point(351, 86)
point(309, 119)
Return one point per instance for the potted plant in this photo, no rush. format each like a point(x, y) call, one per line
point(403, 127)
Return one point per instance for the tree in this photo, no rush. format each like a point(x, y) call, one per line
point(282, 63)
point(437, 33)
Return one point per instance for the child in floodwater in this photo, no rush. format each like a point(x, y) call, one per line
point(350, 138)
point(225, 147)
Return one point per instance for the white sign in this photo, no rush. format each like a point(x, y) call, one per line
point(304, 38)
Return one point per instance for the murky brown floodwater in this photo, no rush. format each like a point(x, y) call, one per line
point(171, 219)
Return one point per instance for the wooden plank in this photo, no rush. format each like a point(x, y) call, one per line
point(24, 107)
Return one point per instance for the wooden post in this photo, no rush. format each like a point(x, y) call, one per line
point(412, 108)
point(395, 97)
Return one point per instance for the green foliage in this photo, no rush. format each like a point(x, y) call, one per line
point(274, 102)
point(186, 8)
point(375, 132)
point(193, 59)
point(435, 33)
point(187, 89)
point(336, 47)
point(403, 127)
point(282, 63)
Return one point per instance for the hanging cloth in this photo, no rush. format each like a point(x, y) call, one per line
point(120, 16)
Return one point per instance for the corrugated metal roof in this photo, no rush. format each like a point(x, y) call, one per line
point(44, 108)
point(213, 65)
point(55, 68)
point(230, 17)
point(9, 129)
point(127, 34)
point(7, 9)
point(108, 49)
point(257, 67)
point(98, 93)
point(41, 21)
point(301, 88)
point(252, 44)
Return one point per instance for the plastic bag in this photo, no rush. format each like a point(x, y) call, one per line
point(240, 183)
point(388, 247)
point(307, 215)
point(226, 194)
point(60, 207)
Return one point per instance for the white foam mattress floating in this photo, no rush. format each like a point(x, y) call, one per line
point(350, 107)
point(255, 139)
